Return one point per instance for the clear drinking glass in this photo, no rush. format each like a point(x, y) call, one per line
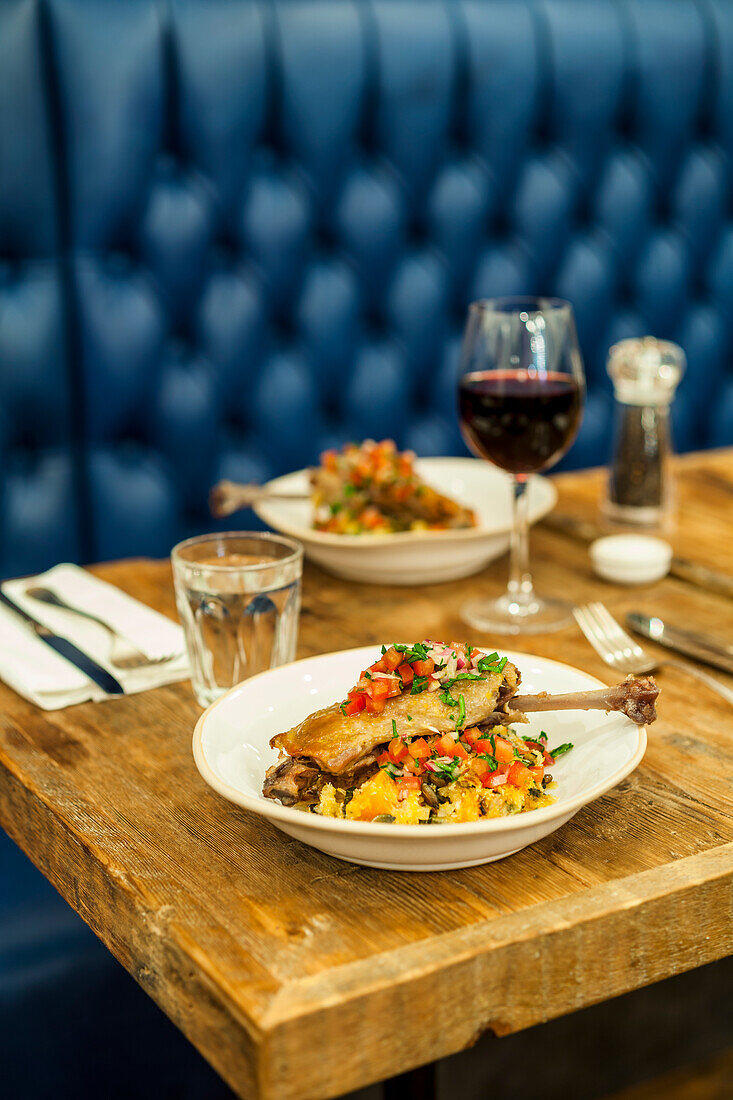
point(238, 596)
point(520, 398)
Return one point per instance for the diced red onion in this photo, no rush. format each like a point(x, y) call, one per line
point(497, 780)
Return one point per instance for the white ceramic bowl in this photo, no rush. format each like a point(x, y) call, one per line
point(231, 749)
point(414, 557)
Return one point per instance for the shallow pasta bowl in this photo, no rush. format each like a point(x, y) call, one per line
point(232, 752)
point(413, 557)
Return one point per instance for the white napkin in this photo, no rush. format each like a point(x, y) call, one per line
point(36, 671)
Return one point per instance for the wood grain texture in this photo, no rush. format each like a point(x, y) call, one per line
point(300, 977)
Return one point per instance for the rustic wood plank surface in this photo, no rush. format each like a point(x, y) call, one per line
point(301, 977)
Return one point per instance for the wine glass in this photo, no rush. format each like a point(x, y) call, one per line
point(520, 400)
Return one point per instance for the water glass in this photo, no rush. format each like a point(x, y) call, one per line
point(238, 596)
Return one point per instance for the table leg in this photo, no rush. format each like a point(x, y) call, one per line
point(418, 1084)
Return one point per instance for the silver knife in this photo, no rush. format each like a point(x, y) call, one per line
point(68, 650)
point(702, 647)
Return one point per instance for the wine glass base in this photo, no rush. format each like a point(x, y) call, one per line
point(507, 615)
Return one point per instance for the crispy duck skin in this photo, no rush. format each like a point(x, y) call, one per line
point(329, 747)
point(334, 742)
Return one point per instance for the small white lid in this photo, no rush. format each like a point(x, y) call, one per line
point(631, 559)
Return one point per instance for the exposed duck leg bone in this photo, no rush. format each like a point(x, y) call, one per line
point(635, 697)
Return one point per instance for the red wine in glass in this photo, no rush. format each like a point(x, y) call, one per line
point(521, 420)
point(520, 401)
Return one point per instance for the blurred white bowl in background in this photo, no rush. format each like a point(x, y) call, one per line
point(414, 557)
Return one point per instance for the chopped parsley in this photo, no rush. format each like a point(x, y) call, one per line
point(448, 698)
point(490, 760)
point(542, 736)
point(466, 676)
point(394, 728)
point(561, 750)
point(392, 770)
point(461, 720)
point(416, 652)
point(492, 663)
point(419, 684)
point(448, 769)
point(341, 708)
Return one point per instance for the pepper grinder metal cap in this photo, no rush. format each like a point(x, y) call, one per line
point(646, 371)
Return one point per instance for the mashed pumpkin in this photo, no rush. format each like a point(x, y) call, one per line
point(480, 776)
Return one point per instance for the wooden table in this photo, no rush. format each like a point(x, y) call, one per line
point(298, 976)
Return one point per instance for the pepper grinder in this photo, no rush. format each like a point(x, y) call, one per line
point(645, 373)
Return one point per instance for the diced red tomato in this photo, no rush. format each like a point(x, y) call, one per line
point(372, 518)
point(374, 706)
point(397, 749)
point(537, 772)
point(357, 702)
point(329, 459)
point(480, 768)
point(409, 783)
point(419, 749)
point(519, 775)
point(494, 779)
point(471, 735)
point(380, 689)
point(384, 758)
point(391, 659)
point(445, 745)
point(423, 668)
point(405, 671)
point(412, 766)
point(504, 752)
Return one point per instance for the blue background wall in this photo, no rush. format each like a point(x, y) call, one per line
point(233, 233)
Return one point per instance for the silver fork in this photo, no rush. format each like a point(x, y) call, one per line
point(122, 654)
point(619, 650)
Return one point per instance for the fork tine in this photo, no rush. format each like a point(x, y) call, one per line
point(586, 622)
point(616, 634)
point(618, 653)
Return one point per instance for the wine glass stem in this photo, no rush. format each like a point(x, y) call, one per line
point(520, 589)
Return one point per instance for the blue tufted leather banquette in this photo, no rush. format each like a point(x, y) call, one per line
point(233, 233)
